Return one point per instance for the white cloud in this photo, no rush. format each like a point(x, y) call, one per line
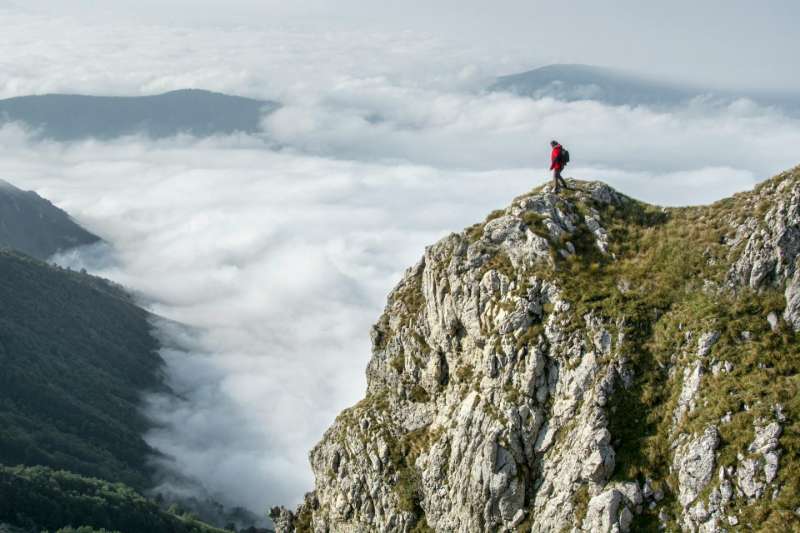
point(43, 54)
point(278, 258)
point(483, 132)
point(279, 262)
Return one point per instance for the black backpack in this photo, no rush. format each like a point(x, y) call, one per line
point(564, 156)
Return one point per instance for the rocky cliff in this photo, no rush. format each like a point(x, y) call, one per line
point(582, 362)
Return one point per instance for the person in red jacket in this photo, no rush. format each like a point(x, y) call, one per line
point(557, 165)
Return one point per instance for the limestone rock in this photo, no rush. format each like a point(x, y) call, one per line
point(603, 513)
point(769, 245)
point(694, 464)
point(499, 397)
point(692, 377)
point(705, 343)
point(755, 473)
point(792, 312)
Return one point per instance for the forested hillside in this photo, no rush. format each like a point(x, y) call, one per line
point(40, 498)
point(32, 225)
point(76, 354)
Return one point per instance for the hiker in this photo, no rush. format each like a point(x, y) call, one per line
point(558, 159)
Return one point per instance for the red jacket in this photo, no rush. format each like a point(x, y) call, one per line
point(555, 158)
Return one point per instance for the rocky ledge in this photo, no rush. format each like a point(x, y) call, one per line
point(581, 362)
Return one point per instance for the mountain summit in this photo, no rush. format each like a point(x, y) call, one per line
point(582, 362)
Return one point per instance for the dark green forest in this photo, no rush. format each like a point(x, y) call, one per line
point(76, 353)
point(39, 498)
point(32, 225)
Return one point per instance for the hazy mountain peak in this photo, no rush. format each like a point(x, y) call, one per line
point(574, 82)
point(68, 117)
point(586, 82)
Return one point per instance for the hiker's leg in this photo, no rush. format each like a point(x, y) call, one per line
point(556, 184)
point(559, 180)
point(562, 181)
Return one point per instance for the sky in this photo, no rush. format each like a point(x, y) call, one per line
point(269, 256)
point(717, 42)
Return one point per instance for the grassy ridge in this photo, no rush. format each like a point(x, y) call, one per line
point(666, 279)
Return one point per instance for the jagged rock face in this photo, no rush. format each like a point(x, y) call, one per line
point(771, 247)
point(694, 463)
point(494, 410)
point(497, 391)
point(771, 241)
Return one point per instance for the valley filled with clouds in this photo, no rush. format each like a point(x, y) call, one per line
point(269, 256)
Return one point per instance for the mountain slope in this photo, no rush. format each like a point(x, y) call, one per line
point(32, 225)
point(40, 499)
point(65, 117)
point(581, 362)
point(76, 354)
point(585, 82)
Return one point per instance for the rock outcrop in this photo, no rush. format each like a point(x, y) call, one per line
point(583, 362)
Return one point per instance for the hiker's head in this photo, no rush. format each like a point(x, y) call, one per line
point(554, 143)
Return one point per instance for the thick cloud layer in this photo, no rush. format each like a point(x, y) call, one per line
point(42, 54)
point(721, 42)
point(269, 256)
point(278, 262)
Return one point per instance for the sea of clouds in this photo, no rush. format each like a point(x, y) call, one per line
point(269, 256)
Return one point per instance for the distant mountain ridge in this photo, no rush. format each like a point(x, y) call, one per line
point(70, 117)
point(34, 226)
point(572, 82)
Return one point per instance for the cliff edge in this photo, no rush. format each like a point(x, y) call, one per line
point(581, 362)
